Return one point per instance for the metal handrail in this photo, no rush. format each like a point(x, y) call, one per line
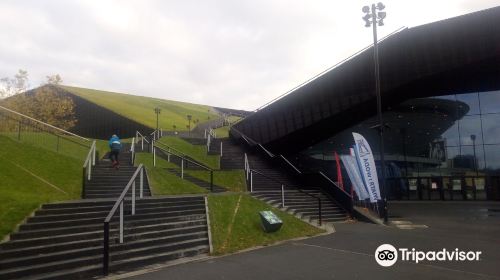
point(171, 148)
point(43, 129)
point(186, 158)
point(299, 188)
point(132, 151)
point(183, 159)
point(90, 160)
point(119, 204)
point(45, 124)
point(335, 184)
point(143, 138)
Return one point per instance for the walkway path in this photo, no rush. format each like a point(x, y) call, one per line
point(348, 253)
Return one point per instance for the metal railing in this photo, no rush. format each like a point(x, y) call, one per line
point(143, 139)
point(184, 160)
point(20, 127)
point(249, 176)
point(321, 180)
point(157, 134)
point(132, 151)
point(119, 204)
point(87, 166)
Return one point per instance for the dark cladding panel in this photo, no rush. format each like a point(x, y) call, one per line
point(457, 54)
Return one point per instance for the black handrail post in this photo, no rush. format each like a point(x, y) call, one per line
point(211, 181)
point(319, 216)
point(105, 257)
point(83, 182)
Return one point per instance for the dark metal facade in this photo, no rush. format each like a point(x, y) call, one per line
point(456, 55)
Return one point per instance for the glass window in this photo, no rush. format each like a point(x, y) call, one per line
point(470, 130)
point(472, 100)
point(492, 156)
point(490, 102)
point(491, 128)
point(468, 155)
point(451, 135)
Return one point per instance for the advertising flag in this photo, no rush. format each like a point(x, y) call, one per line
point(367, 167)
point(351, 166)
point(339, 171)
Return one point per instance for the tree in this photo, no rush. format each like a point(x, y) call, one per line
point(13, 86)
point(45, 104)
point(54, 79)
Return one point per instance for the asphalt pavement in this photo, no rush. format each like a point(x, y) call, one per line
point(349, 252)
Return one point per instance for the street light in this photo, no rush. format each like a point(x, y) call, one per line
point(157, 111)
point(189, 119)
point(374, 16)
point(473, 138)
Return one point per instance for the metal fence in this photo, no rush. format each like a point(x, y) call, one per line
point(25, 129)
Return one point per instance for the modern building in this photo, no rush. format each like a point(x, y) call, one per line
point(440, 86)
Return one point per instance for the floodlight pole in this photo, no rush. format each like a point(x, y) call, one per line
point(377, 19)
point(157, 111)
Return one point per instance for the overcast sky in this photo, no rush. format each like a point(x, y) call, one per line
point(230, 53)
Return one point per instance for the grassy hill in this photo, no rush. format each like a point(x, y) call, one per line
point(30, 176)
point(141, 109)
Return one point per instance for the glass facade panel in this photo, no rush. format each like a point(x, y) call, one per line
point(490, 102)
point(491, 128)
point(472, 101)
point(446, 142)
point(469, 153)
point(470, 130)
point(492, 157)
point(435, 136)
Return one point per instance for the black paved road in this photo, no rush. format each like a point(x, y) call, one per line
point(348, 253)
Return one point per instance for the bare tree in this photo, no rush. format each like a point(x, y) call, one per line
point(13, 86)
point(54, 79)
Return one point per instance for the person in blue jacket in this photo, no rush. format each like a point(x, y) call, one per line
point(115, 145)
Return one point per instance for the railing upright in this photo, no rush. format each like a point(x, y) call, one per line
point(119, 205)
point(132, 151)
point(282, 195)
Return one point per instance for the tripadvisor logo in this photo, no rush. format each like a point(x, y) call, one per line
point(387, 255)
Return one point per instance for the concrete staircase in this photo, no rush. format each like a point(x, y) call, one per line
point(108, 182)
point(64, 240)
point(268, 187)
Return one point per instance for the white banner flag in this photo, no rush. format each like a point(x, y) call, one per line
point(351, 166)
point(367, 166)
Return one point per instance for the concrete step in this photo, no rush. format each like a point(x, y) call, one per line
point(128, 218)
point(32, 234)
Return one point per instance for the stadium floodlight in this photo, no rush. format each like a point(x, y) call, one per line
point(376, 17)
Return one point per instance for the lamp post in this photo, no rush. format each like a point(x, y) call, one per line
point(374, 16)
point(157, 112)
point(473, 138)
point(189, 117)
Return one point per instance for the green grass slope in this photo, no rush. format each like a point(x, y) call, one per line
point(235, 228)
point(31, 176)
point(141, 109)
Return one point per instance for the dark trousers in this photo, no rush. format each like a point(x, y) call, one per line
point(113, 155)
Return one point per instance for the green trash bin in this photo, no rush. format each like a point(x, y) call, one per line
point(270, 222)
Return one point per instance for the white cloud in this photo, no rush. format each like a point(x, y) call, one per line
point(237, 54)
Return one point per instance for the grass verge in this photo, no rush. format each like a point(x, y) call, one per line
point(31, 176)
point(232, 180)
point(163, 182)
point(222, 132)
point(245, 230)
point(197, 152)
point(141, 109)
